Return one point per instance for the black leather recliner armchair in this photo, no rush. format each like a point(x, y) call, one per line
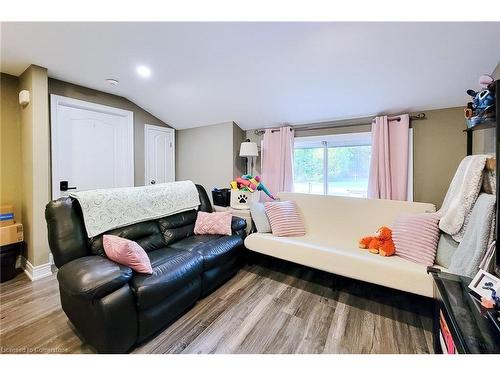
point(112, 307)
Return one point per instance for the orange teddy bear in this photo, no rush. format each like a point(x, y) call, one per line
point(380, 244)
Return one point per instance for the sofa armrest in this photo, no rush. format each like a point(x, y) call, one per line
point(237, 224)
point(238, 227)
point(92, 277)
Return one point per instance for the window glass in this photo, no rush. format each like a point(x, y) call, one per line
point(348, 170)
point(333, 164)
point(309, 170)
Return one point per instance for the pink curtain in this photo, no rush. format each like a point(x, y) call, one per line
point(389, 162)
point(277, 160)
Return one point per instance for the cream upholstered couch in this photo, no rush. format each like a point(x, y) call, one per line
point(334, 226)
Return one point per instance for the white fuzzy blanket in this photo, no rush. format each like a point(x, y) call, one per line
point(107, 209)
point(479, 235)
point(462, 193)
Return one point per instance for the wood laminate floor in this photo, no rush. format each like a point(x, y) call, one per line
point(270, 306)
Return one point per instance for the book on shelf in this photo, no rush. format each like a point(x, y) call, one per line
point(446, 335)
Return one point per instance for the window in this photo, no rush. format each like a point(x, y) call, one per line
point(334, 164)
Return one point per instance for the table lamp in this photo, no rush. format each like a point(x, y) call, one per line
point(249, 150)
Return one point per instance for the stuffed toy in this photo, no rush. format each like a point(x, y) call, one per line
point(381, 243)
point(251, 183)
point(482, 106)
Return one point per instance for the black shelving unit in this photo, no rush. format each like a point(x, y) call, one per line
point(472, 328)
point(470, 134)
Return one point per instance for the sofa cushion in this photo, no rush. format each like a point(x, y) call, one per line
point(172, 269)
point(330, 216)
point(342, 257)
point(218, 251)
point(177, 227)
point(193, 241)
point(214, 249)
point(146, 234)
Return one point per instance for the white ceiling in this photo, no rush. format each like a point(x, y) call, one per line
point(263, 74)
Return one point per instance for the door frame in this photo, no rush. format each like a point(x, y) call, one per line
point(146, 149)
point(57, 101)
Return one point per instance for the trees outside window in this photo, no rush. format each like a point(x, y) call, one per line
point(332, 166)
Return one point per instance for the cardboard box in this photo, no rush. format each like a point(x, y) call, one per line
point(6, 215)
point(11, 234)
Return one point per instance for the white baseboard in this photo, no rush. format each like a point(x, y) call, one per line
point(36, 272)
point(19, 262)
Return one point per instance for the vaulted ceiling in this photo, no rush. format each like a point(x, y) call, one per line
point(262, 74)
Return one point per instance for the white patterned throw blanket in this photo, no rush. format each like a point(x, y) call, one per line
point(461, 196)
point(106, 209)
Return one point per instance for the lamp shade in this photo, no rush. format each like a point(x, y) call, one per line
point(249, 149)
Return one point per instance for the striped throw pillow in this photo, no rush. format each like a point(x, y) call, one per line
point(416, 237)
point(285, 219)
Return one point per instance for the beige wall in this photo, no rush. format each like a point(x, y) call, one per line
point(439, 145)
point(496, 72)
point(239, 163)
point(141, 117)
point(35, 139)
point(10, 145)
point(207, 155)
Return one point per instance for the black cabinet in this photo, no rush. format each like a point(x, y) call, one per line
point(8, 258)
point(461, 324)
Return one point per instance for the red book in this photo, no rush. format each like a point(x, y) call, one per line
point(445, 331)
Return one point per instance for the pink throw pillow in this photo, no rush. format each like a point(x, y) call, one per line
point(126, 252)
point(213, 223)
point(285, 219)
point(416, 237)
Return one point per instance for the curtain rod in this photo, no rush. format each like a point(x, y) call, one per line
point(329, 125)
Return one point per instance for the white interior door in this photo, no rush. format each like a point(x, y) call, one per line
point(92, 146)
point(160, 154)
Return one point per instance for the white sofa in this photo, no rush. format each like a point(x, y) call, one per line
point(334, 226)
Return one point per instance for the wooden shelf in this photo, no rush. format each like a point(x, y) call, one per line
point(482, 125)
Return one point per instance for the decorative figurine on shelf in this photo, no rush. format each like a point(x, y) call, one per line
point(485, 81)
point(469, 111)
point(495, 299)
point(482, 106)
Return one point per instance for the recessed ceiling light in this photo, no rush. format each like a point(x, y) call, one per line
point(143, 71)
point(112, 82)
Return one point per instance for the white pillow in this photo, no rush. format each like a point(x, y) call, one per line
point(259, 217)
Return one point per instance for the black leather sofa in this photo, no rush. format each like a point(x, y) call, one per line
point(112, 307)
